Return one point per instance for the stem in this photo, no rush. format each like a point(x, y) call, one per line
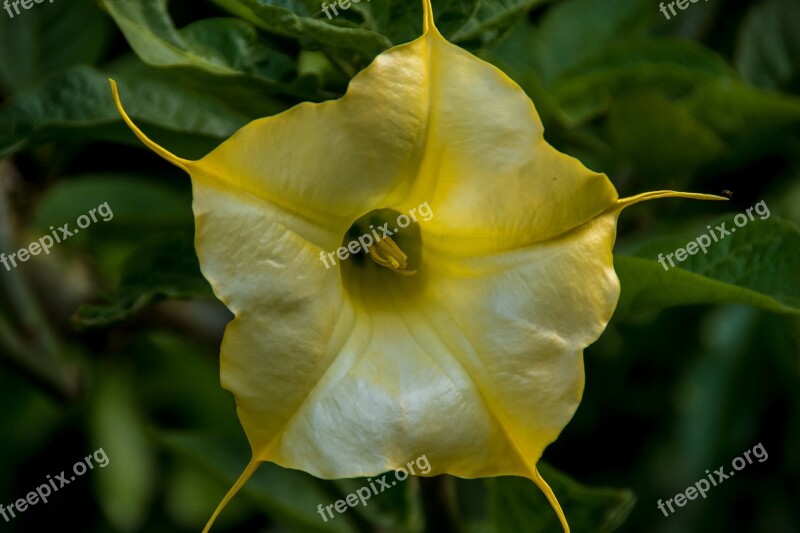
point(41, 361)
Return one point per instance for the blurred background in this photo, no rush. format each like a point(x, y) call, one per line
point(112, 339)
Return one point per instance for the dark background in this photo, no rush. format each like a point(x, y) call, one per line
point(112, 340)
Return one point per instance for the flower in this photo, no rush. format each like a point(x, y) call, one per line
point(475, 359)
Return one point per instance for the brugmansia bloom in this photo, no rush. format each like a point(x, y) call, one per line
point(475, 359)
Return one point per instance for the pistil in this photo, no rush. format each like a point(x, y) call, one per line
point(386, 253)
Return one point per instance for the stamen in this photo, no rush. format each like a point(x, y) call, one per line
point(386, 253)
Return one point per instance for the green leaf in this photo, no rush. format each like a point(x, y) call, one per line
point(561, 38)
point(240, 96)
point(125, 485)
point(757, 265)
point(368, 28)
point(290, 497)
point(668, 67)
point(167, 267)
point(77, 105)
point(662, 149)
point(225, 47)
point(179, 375)
point(136, 201)
point(305, 20)
point(399, 510)
point(768, 46)
point(491, 21)
point(401, 21)
point(190, 493)
point(515, 56)
point(574, 83)
point(516, 504)
point(44, 39)
point(737, 111)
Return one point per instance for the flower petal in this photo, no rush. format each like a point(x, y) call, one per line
point(476, 361)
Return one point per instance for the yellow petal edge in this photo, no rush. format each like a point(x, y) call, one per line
point(476, 360)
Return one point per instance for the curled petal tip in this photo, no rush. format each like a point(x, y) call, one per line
point(166, 154)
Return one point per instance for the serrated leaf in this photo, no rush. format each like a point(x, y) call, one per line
point(400, 20)
point(757, 265)
point(74, 105)
point(304, 20)
point(492, 19)
point(366, 28)
point(224, 47)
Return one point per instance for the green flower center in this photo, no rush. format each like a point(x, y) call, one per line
point(384, 235)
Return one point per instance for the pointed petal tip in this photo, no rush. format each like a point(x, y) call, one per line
point(428, 23)
point(551, 497)
point(622, 203)
point(169, 156)
point(249, 470)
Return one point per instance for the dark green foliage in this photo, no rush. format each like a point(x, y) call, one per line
point(112, 339)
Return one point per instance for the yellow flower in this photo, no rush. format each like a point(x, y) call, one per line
point(473, 357)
